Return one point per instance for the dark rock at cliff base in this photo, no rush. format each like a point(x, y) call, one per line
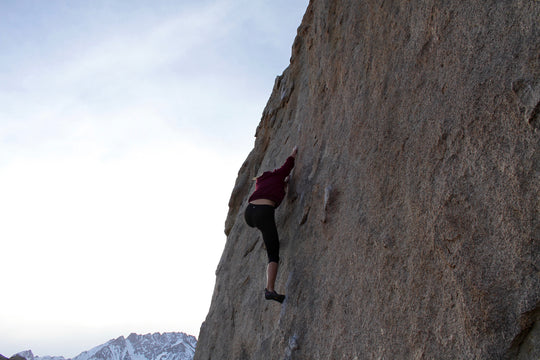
point(411, 228)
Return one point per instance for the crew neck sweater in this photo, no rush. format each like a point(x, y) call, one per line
point(271, 184)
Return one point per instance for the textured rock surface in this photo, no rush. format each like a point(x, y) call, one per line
point(410, 229)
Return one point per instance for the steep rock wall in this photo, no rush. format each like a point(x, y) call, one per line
point(410, 229)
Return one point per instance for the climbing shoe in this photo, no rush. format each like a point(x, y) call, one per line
point(273, 295)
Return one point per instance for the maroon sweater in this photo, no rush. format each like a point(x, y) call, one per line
point(271, 184)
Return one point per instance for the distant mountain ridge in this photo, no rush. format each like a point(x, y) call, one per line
point(157, 346)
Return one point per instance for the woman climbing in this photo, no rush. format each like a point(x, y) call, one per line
point(268, 194)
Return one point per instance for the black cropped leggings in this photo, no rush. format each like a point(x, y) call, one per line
point(262, 217)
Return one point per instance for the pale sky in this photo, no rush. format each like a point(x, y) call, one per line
point(123, 125)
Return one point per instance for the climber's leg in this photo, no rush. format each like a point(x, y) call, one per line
point(271, 272)
point(264, 220)
point(269, 292)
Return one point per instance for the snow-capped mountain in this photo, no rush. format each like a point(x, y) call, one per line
point(28, 355)
point(166, 346)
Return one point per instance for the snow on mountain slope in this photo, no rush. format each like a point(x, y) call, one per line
point(157, 346)
point(28, 355)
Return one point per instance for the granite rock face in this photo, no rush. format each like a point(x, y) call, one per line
point(410, 229)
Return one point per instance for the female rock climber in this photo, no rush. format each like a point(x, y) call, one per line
point(268, 194)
